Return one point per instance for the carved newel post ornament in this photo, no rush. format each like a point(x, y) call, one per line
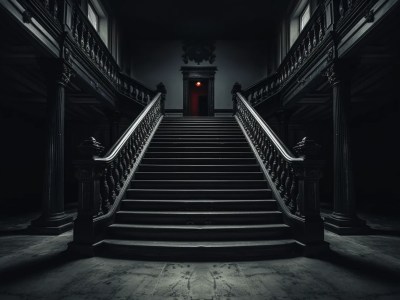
point(90, 204)
point(53, 219)
point(343, 220)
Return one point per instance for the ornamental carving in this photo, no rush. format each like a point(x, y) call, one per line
point(331, 74)
point(65, 75)
point(198, 51)
point(369, 16)
point(27, 17)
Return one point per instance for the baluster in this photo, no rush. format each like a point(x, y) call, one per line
point(55, 9)
point(303, 43)
point(76, 26)
point(314, 33)
point(105, 192)
point(111, 184)
point(83, 30)
point(321, 32)
point(341, 9)
point(293, 196)
point(300, 55)
point(273, 164)
point(288, 186)
point(46, 4)
point(309, 42)
point(278, 172)
point(116, 175)
point(120, 167)
point(88, 38)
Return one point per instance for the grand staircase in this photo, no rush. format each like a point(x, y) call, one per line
point(199, 193)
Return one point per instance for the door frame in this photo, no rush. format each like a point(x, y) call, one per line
point(198, 73)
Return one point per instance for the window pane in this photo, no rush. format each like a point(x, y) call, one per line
point(304, 17)
point(93, 17)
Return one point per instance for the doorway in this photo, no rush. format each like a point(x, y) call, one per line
point(198, 98)
point(198, 91)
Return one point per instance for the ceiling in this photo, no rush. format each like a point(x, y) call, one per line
point(202, 19)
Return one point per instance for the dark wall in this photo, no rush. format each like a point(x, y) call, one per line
point(376, 161)
point(242, 61)
point(22, 165)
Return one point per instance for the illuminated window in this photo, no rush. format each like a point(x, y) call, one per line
point(304, 17)
point(93, 16)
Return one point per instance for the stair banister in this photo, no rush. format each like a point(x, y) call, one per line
point(103, 180)
point(294, 181)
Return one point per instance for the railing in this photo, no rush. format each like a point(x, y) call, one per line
point(89, 41)
point(294, 180)
point(305, 45)
point(85, 43)
point(104, 180)
point(338, 17)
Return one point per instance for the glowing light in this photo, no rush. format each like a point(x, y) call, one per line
point(198, 84)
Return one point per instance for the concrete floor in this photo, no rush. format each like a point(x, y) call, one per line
point(358, 267)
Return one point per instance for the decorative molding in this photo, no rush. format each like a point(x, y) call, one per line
point(330, 55)
point(331, 74)
point(65, 75)
point(198, 51)
point(27, 17)
point(369, 16)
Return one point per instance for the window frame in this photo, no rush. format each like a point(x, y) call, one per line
point(303, 24)
point(92, 9)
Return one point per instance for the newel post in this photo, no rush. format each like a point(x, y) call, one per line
point(237, 88)
point(88, 174)
point(161, 89)
point(309, 174)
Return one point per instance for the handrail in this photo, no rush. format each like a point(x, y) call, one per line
point(286, 153)
point(103, 181)
point(112, 153)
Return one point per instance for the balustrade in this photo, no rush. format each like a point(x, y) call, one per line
point(294, 179)
point(103, 179)
point(308, 41)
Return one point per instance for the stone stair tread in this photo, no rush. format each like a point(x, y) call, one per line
point(198, 244)
point(199, 227)
point(199, 212)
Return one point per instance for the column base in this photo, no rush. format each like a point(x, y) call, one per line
point(52, 225)
point(345, 225)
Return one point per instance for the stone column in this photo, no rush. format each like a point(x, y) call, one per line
point(53, 219)
point(343, 220)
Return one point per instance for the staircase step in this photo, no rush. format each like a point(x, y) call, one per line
point(198, 161)
point(199, 130)
point(249, 194)
point(198, 168)
point(199, 149)
point(199, 136)
point(196, 184)
point(198, 205)
point(191, 139)
point(199, 251)
point(198, 175)
point(215, 143)
point(198, 232)
point(151, 154)
point(198, 217)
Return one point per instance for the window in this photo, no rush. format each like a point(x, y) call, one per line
point(304, 17)
point(93, 16)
